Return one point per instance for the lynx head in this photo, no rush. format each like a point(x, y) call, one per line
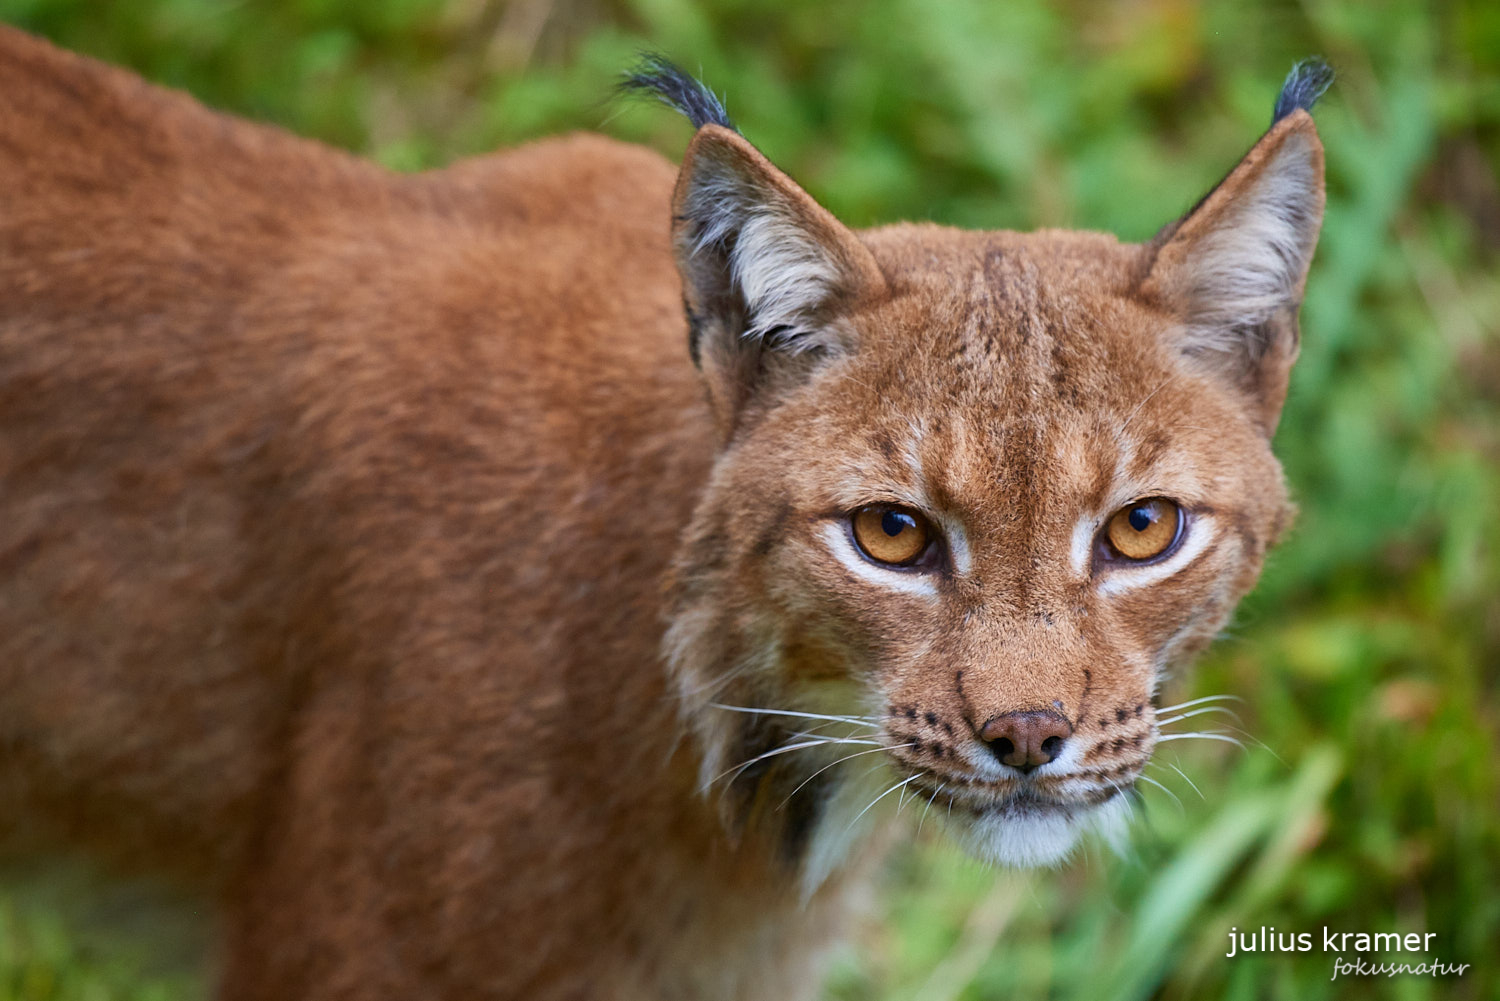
point(975, 491)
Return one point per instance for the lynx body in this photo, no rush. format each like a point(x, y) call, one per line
point(390, 558)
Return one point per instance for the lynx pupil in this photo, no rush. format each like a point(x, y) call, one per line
point(1140, 519)
point(894, 523)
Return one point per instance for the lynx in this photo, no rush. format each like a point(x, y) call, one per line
point(542, 578)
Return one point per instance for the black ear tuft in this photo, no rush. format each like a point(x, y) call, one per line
point(1304, 85)
point(658, 77)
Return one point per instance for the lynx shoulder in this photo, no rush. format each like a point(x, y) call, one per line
point(540, 578)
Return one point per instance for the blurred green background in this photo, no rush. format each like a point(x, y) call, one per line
point(1368, 798)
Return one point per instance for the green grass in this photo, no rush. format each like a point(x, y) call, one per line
point(1367, 659)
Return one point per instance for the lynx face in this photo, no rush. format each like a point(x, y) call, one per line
point(976, 492)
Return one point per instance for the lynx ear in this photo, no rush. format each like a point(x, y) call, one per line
point(765, 269)
point(1234, 268)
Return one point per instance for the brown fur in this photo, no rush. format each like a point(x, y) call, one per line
point(344, 517)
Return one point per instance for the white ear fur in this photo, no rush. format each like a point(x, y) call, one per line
point(767, 274)
point(1252, 263)
point(781, 272)
point(761, 262)
point(1233, 270)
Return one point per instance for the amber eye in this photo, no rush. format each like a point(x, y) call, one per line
point(896, 536)
point(1144, 529)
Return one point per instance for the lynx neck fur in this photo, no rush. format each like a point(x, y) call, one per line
point(543, 578)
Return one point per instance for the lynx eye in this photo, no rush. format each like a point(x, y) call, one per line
point(895, 536)
point(1144, 529)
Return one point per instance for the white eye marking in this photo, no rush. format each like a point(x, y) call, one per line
point(1124, 577)
point(1083, 545)
point(837, 540)
point(958, 544)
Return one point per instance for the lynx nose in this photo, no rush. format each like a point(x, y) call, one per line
point(1026, 739)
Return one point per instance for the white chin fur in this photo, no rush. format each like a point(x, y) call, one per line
point(1025, 837)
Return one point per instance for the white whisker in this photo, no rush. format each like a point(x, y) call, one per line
point(818, 731)
point(1199, 712)
point(1147, 778)
point(877, 799)
point(1221, 735)
point(1258, 743)
point(1200, 736)
point(930, 799)
point(1189, 781)
point(1198, 702)
point(1124, 794)
point(820, 771)
point(736, 769)
point(787, 749)
point(858, 720)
